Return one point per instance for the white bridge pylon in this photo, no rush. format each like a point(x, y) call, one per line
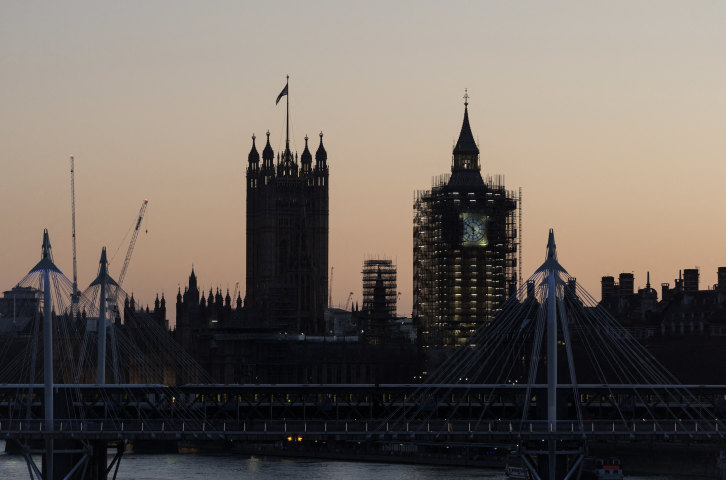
point(50, 336)
point(552, 309)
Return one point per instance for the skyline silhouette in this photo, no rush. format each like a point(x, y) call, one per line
point(608, 116)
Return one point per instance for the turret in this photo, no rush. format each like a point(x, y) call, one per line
point(253, 158)
point(306, 159)
point(226, 314)
point(192, 279)
point(193, 292)
point(268, 156)
point(211, 307)
point(321, 156)
point(162, 311)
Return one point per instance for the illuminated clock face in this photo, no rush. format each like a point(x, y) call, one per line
point(473, 229)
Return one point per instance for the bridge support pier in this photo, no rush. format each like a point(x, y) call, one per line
point(65, 459)
point(99, 461)
point(543, 467)
point(63, 463)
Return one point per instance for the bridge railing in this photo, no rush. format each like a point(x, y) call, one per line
point(400, 429)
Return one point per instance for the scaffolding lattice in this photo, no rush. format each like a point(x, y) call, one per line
point(459, 286)
point(379, 289)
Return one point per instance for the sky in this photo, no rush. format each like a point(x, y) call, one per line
point(609, 115)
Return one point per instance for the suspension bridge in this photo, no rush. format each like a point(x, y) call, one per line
point(549, 375)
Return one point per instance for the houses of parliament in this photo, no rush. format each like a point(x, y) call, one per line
point(287, 245)
point(287, 237)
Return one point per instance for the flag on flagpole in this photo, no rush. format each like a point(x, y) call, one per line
point(282, 94)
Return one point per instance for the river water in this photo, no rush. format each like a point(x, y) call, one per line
point(188, 466)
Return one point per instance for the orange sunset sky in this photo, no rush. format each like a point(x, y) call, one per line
point(609, 115)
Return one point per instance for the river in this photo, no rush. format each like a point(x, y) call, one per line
point(188, 466)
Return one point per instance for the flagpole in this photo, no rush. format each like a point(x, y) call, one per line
point(287, 123)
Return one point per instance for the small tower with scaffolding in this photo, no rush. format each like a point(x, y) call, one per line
point(379, 297)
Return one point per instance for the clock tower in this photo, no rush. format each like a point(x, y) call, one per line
point(465, 246)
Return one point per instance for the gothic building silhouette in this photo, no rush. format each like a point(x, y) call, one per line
point(287, 237)
point(194, 311)
point(465, 245)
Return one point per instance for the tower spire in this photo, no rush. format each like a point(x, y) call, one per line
point(551, 262)
point(46, 246)
point(551, 247)
point(466, 151)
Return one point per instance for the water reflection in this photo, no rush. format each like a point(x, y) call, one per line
point(195, 465)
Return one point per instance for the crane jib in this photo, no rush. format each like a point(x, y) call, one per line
point(132, 243)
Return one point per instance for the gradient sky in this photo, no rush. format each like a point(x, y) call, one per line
point(609, 115)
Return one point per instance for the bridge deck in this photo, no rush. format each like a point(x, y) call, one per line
point(466, 431)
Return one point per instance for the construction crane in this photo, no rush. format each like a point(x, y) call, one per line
point(113, 301)
point(75, 296)
point(347, 304)
point(330, 289)
point(132, 243)
point(113, 306)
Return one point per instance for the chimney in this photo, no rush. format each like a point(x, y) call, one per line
point(721, 285)
point(690, 280)
point(608, 287)
point(664, 288)
point(572, 283)
point(627, 284)
point(679, 282)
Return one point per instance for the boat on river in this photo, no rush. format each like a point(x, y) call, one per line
point(594, 469)
point(515, 468)
point(602, 469)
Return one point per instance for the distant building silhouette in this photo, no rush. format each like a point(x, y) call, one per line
point(685, 330)
point(234, 345)
point(193, 312)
